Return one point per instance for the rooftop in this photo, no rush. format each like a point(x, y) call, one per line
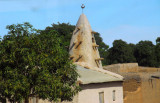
point(88, 76)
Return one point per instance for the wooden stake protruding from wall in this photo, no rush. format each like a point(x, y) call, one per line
point(97, 62)
point(71, 57)
point(93, 32)
point(79, 44)
point(72, 46)
point(99, 59)
point(95, 45)
point(80, 56)
point(76, 31)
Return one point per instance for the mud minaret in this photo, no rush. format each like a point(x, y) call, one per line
point(83, 49)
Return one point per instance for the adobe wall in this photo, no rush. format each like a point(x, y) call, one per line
point(132, 91)
point(90, 92)
point(138, 86)
point(121, 68)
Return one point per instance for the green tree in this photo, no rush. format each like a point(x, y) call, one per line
point(157, 51)
point(121, 52)
point(34, 63)
point(64, 30)
point(145, 54)
point(158, 40)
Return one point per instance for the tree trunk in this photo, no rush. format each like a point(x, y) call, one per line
point(26, 100)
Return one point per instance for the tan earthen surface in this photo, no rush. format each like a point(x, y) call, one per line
point(138, 85)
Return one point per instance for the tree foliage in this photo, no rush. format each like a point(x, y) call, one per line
point(158, 40)
point(157, 51)
point(121, 52)
point(145, 54)
point(64, 31)
point(34, 63)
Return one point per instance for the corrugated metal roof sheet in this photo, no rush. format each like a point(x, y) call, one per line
point(88, 76)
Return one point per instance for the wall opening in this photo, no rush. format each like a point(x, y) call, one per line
point(101, 97)
point(114, 95)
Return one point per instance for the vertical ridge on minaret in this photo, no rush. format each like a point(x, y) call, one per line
point(83, 47)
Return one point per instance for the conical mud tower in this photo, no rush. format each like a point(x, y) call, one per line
point(83, 49)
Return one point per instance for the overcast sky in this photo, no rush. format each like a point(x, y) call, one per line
point(129, 20)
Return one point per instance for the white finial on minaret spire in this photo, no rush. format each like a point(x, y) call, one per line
point(83, 6)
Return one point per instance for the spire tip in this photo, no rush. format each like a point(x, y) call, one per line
point(83, 6)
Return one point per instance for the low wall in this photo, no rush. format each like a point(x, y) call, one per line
point(122, 68)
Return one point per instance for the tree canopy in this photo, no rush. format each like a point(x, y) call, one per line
point(157, 51)
point(121, 52)
point(35, 63)
point(64, 30)
point(145, 53)
point(158, 40)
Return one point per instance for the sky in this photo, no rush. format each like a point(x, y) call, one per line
point(129, 20)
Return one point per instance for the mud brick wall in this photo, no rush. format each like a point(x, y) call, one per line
point(138, 85)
